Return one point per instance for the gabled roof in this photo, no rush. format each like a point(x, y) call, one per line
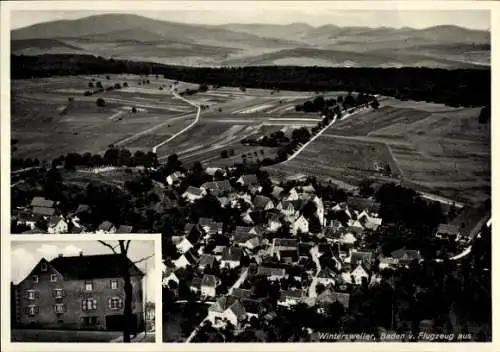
point(209, 281)
point(288, 204)
point(44, 211)
point(54, 220)
point(194, 191)
point(92, 266)
point(285, 242)
point(260, 202)
point(361, 257)
point(270, 271)
point(250, 179)
point(348, 238)
point(406, 254)
point(196, 282)
point(252, 306)
point(447, 229)
point(190, 257)
point(232, 254)
point(241, 293)
point(293, 254)
point(293, 294)
point(206, 260)
point(238, 310)
point(124, 229)
point(222, 303)
point(277, 192)
point(105, 226)
point(42, 202)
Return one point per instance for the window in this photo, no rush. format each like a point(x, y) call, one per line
point(115, 303)
point(58, 293)
point(43, 267)
point(89, 285)
point(32, 310)
point(89, 305)
point(59, 308)
point(53, 278)
point(30, 294)
point(114, 284)
point(35, 279)
point(89, 321)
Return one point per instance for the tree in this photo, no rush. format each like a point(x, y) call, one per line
point(134, 109)
point(107, 77)
point(224, 154)
point(125, 266)
point(91, 84)
point(125, 84)
point(118, 86)
point(100, 102)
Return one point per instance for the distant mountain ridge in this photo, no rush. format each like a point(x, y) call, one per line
point(130, 36)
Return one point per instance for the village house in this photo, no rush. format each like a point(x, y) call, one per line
point(326, 277)
point(106, 227)
point(175, 178)
point(357, 275)
point(292, 195)
point(250, 180)
point(206, 261)
point(273, 223)
point(209, 284)
point(226, 308)
point(231, 257)
point(218, 188)
point(287, 208)
point(42, 207)
point(187, 259)
point(84, 292)
point(193, 193)
point(283, 244)
point(405, 256)
point(447, 231)
point(173, 275)
point(271, 273)
point(57, 225)
point(289, 298)
point(262, 203)
point(277, 192)
point(248, 240)
point(361, 257)
point(195, 285)
point(301, 225)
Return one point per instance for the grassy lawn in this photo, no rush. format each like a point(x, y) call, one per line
point(36, 335)
point(178, 323)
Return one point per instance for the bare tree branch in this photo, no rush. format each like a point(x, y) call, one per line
point(143, 259)
point(127, 245)
point(108, 245)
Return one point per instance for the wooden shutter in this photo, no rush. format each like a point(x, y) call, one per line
point(63, 293)
point(84, 302)
point(54, 293)
point(120, 303)
point(109, 303)
point(94, 304)
point(37, 309)
point(37, 294)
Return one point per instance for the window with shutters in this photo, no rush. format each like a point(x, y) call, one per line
point(30, 295)
point(115, 303)
point(58, 293)
point(59, 308)
point(53, 278)
point(89, 305)
point(114, 284)
point(35, 279)
point(89, 286)
point(32, 310)
point(43, 267)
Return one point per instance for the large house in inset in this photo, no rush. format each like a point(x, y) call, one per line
point(80, 292)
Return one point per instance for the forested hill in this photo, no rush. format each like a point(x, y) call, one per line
point(460, 87)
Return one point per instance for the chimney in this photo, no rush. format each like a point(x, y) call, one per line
point(81, 253)
point(60, 255)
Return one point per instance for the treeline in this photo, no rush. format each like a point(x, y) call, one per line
point(461, 87)
point(333, 106)
point(112, 157)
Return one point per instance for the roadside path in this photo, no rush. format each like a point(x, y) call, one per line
point(314, 255)
point(155, 148)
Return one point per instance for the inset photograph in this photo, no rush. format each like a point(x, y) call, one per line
point(83, 291)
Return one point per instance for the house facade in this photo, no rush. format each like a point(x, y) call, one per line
point(82, 293)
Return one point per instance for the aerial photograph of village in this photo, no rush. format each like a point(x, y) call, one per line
point(315, 174)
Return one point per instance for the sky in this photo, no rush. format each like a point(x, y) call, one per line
point(26, 254)
point(277, 13)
